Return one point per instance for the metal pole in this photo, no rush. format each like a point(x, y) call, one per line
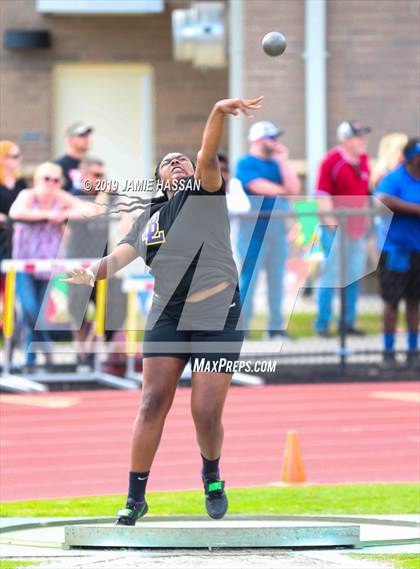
point(236, 72)
point(343, 291)
point(315, 87)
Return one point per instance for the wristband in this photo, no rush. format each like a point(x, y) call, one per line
point(91, 275)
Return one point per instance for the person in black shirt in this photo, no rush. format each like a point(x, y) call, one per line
point(11, 184)
point(78, 144)
point(184, 239)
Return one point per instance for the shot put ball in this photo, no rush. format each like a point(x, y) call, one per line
point(274, 43)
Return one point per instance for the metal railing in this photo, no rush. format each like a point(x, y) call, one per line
point(341, 215)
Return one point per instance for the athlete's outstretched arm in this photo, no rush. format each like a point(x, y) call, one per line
point(208, 171)
point(121, 256)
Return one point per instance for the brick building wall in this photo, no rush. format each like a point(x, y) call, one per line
point(184, 95)
point(373, 66)
point(280, 79)
point(373, 70)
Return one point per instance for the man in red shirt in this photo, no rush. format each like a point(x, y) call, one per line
point(343, 183)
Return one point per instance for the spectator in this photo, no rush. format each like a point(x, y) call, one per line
point(11, 183)
point(390, 155)
point(48, 206)
point(87, 239)
point(265, 172)
point(236, 199)
point(399, 268)
point(78, 144)
point(343, 181)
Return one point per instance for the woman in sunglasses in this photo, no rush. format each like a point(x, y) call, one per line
point(184, 237)
point(38, 215)
point(11, 183)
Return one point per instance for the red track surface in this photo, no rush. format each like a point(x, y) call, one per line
point(77, 443)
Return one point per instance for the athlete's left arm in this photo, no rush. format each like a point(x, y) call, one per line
point(208, 171)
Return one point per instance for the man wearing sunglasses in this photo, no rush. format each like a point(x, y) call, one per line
point(92, 171)
point(78, 140)
point(267, 179)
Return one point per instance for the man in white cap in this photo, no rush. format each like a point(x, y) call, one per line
point(343, 183)
point(267, 179)
point(78, 140)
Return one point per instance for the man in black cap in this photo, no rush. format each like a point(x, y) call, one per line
point(78, 144)
point(343, 183)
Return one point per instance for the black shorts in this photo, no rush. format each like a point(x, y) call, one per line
point(398, 284)
point(197, 334)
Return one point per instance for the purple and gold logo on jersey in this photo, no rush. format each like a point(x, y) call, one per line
point(152, 235)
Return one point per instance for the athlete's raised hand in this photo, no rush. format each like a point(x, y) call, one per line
point(207, 170)
point(81, 275)
point(236, 106)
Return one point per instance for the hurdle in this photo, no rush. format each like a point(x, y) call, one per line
point(29, 382)
point(9, 381)
point(131, 338)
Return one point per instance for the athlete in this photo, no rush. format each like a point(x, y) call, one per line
point(184, 238)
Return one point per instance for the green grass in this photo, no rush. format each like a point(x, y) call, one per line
point(352, 499)
point(301, 324)
point(12, 564)
point(341, 499)
point(400, 561)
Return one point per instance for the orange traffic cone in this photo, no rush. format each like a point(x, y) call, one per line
point(292, 471)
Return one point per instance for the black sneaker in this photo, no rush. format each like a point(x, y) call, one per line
point(131, 513)
point(351, 331)
point(216, 499)
point(389, 359)
point(279, 335)
point(413, 358)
